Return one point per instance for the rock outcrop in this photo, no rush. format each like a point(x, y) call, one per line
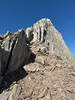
point(45, 33)
point(20, 53)
point(36, 64)
point(14, 51)
point(29, 34)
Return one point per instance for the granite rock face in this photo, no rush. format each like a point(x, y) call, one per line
point(20, 53)
point(40, 29)
point(45, 33)
point(29, 34)
point(14, 51)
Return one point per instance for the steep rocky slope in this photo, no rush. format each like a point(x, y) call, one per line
point(47, 78)
point(36, 64)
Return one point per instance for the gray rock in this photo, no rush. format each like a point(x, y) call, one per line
point(40, 60)
point(14, 52)
point(13, 93)
point(20, 53)
point(29, 34)
point(5, 96)
point(1, 78)
point(7, 34)
point(32, 67)
point(40, 29)
point(6, 47)
point(44, 32)
point(0, 60)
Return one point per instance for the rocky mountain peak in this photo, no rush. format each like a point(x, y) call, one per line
point(45, 22)
point(36, 64)
point(40, 28)
point(44, 32)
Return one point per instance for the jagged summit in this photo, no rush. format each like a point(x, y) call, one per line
point(40, 27)
point(36, 64)
point(44, 32)
point(44, 21)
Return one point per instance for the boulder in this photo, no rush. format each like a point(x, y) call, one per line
point(13, 94)
point(14, 52)
point(33, 67)
point(20, 53)
point(5, 96)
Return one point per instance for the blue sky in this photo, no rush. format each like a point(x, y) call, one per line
point(17, 14)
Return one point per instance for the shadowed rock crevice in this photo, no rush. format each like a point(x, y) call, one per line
point(18, 51)
point(2, 61)
point(12, 77)
point(10, 55)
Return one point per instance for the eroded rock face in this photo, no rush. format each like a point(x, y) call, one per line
point(6, 48)
point(40, 29)
point(44, 32)
point(29, 34)
point(14, 51)
point(48, 76)
point(20, 54)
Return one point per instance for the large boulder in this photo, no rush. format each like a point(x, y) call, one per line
point(14, 51)
point(39, 29)
point(20, 53)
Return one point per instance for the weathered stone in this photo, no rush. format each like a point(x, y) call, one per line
point(5, 51)
point(49, 77)
point(55, 80)
point(40, 29)
point(32, 67)
point(6, 35)
point(29, 34)
point(5, 96)
point(14, 51)
point(20, 53)
point(40, 60)
point(12, 95)
point(45, 32)
point(1, 78)
point(0, 60)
